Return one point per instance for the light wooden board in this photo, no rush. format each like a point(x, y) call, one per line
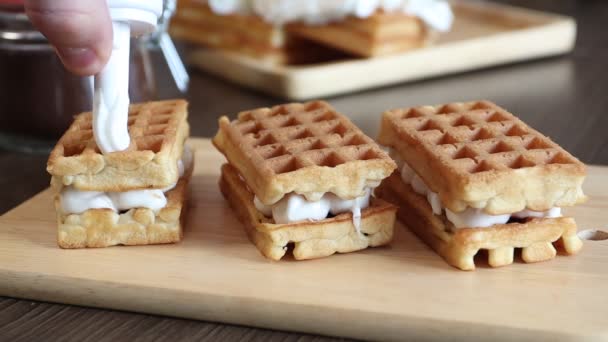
point(484, 34)
point(385, 293)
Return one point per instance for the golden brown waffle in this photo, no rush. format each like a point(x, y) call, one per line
point(309, 149)
point(196, 23)
point(380, 34)
point(535, 237)
point(138, 226)
point(310, 239)
point(158, 131)
point(477, 154)
point(244, 34)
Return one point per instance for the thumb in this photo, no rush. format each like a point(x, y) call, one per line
point(80, 31)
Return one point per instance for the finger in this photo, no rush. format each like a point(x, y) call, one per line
point(80, 31)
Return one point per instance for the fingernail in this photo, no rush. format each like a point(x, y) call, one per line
point(77, 58)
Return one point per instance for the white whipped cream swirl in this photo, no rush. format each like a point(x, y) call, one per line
point(294, 208)
point(111, 99)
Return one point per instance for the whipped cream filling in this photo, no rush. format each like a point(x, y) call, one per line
point(294, 208)
point(75, 201)
point(469, 218)
point(435, 13)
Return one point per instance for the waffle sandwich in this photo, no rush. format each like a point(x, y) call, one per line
point(302, 175)
point(245, 34)
point(292, 32)
point(473, 177)
point(132, 197)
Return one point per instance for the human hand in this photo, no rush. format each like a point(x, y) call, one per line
point(80, 31)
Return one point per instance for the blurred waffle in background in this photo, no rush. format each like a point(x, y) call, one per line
point(292, 32)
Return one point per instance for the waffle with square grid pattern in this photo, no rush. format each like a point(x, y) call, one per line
point(309, 149)
point(477, 154)
point(158, 131)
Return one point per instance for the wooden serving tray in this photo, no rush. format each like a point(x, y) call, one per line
point(484, 34)
point(391, 293)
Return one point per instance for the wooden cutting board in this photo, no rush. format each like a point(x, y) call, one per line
point(391, 293)
point(484, 34)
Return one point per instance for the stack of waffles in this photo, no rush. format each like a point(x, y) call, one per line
point(248, 35)
point(289, 160)
point(132, 197)
point(298, 42)
point(474, 177)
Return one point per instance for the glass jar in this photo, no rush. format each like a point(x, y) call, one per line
point(39, 97)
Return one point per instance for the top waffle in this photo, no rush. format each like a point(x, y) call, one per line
point(479, 155)
point(158, 131)
point(306, 148)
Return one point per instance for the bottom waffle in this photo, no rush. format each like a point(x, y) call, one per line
point(311, 239)
point(535, 237)
point(140, 226)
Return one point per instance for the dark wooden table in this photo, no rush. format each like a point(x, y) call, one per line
point(564, 97)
